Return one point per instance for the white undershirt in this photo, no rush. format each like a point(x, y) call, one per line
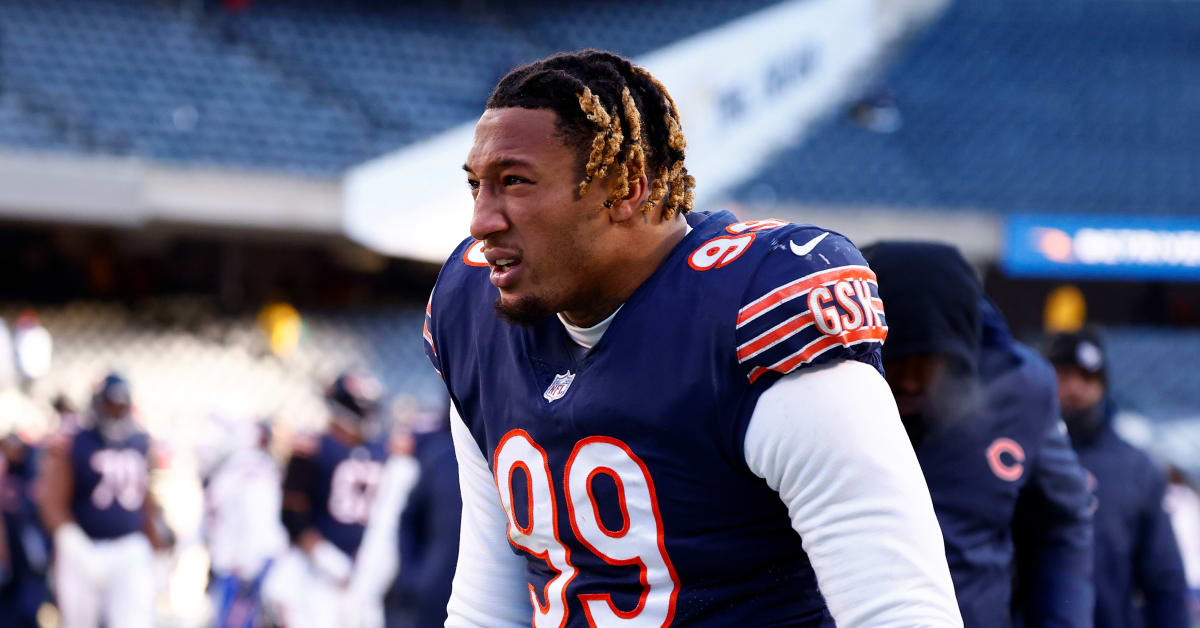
point(587, 337)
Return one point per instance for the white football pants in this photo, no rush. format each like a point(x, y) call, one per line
point(116, 586)
point(299, 595)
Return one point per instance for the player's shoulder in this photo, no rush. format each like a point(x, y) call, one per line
point(807, 296)
point(305, 445)
point(462, 291)
point(724, 241)
point(465, 269)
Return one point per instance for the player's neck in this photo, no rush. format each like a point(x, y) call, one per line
point(641, 258)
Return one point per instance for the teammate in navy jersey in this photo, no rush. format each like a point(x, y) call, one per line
point(328, 488)
point(96, 505)
point(24, 546)
point(981, 412)
point(658, 420)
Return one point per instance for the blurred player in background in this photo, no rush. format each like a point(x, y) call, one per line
point(1136, 553)
point(640, 410)
point(24, 546)
point(1182, 504)
point(981, 414)
point(379, 555)
point(242, 499)
point(328, 489)
point(95, 503)
point(428, 530)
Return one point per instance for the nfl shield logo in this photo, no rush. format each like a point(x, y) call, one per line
point(559, 386)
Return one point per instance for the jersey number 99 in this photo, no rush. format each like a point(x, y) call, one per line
point(639, 540)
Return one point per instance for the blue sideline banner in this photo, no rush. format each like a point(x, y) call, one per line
point(1102, 247)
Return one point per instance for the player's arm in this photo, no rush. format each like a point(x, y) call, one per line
point(55, 483)
point(153, 524)
point(830, 441)
point(1054, 534)
point(489, 589)
point(379, 556)
point(153, 527)
point(299, 478)
point(825, 433)
point(5, 558)
point(1157, 566)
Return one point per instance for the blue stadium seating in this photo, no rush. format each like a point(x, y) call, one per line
point(1022, 105)
point(1154, 371)
point(1012, 106)
point(309, 86)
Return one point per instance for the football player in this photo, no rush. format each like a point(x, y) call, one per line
point(980, 411)
point(242, 498)
point(428, 529)
point(663, 417)
point(24, 547)
point(329, 485)
point(95, 504)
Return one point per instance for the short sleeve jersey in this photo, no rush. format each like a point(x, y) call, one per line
point(347, 478)
point(110, 483)
point(621, 468)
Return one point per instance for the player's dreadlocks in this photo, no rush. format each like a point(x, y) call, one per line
point(617, 114)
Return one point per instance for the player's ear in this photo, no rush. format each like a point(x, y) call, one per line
point(629, 207)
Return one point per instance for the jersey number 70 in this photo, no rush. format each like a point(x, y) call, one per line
point(638, 542)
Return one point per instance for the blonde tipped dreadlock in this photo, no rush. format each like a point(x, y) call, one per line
point(635, 155)
point(607, 142)
point(677, 179)
point(625, 122)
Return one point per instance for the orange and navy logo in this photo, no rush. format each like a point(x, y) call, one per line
point(1006, 459)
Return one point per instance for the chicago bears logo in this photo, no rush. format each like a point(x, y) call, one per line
point(559, 386)
point(1005, 457)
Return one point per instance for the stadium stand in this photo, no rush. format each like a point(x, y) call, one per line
point(1153, 371)
point(1020, 106)
point(224, 359)
point(310, 87)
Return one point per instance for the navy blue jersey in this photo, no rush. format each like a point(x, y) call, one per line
point(622, 469)
point(23, 579)
point(110, 483)
point(345, 489)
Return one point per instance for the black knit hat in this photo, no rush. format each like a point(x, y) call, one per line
point(1083, 350)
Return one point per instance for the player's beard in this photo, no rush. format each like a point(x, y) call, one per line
point(524, 311)
point(572, 255)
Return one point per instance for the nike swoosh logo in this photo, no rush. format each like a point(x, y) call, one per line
point(808, 246)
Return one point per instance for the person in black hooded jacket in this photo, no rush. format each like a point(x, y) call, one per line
point(1136, 553)
point(982, 414)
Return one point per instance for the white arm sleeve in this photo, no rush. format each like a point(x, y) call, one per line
point(489, 588)
point(830, 441)
point(378, 558)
